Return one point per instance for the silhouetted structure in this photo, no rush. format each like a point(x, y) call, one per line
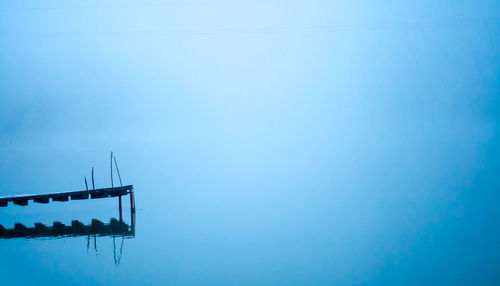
point(115, 228)
point(22, 200)
point(76, 195)
point(96, 228)
point(66, 196)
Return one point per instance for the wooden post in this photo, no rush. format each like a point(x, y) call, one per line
point(112, 169)
point(118, 171)
point(93, 186)
point(132, 202)
point(132, 210)
point(120, 207)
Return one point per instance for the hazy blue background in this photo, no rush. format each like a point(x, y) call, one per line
point(269, 142)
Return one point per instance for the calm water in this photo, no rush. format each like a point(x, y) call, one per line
point(222, 222)
point(269, 142)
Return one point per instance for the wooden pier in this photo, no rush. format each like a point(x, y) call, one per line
point(76, 195)
point(23, 200)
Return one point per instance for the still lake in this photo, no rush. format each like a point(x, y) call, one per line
point(240, 215)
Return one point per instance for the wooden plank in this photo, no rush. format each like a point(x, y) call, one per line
point(118, 193)
point(101, 193)
point(41, 200)
point(60, 198)
point(80, 197)
point(21, 202)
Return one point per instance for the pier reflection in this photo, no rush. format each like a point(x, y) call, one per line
point(115, 229)
point(77, 228)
